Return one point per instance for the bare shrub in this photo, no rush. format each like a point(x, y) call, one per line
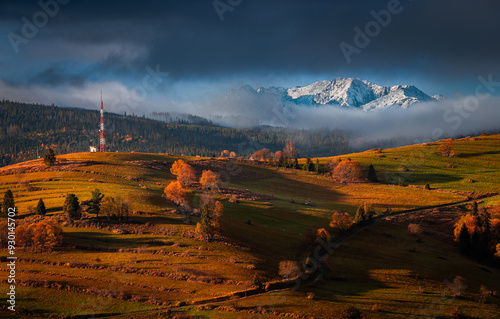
point(289, 269)
point(415, 229)
point(376, 307)
point(233, 199)
point(332, 163)
point(484, 292)
point(458, 286)
point(457, 314)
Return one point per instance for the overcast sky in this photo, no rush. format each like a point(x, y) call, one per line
point(75, 50)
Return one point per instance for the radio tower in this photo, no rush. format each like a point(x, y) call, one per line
point(102, 141)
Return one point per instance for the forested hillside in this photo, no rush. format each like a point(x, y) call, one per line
point(26, 130)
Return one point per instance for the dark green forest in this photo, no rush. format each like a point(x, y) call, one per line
point(27, 130)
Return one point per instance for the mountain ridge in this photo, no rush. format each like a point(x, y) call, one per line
point(349, 93)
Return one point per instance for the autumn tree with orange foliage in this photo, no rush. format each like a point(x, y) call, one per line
point(347, 171)
point(279, 157)
point(176, 193)
point(332, 163)
point(476, 233)
point(470, 222)
point(340, 222)
point(446, 148)
point(41, 236)
point(185, 173)
point(262, 155)
point(176, 166)
point(210, 180)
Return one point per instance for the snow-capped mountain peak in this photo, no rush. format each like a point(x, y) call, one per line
point(341, 92)
point(355, 92)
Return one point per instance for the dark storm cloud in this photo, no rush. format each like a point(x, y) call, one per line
point(437, 38)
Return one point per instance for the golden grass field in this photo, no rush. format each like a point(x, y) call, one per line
point(100, 272)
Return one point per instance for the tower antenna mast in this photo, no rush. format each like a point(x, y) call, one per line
point(102, 140)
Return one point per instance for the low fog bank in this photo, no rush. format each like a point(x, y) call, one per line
point(395, 126)
point(247, 108)
point(419, 123)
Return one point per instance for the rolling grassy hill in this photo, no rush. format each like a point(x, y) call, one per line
point(153, 262)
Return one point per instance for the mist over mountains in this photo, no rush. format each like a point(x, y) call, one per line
point(369, 111)
point(246, 106)
point(399, 114)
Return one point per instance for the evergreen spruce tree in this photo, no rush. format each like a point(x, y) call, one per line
point(359, 218)
point(95, 203)
point(474, 208)
point(49, 158)
point(8, 202)
point(476, 243)
point(71, 207)
point(316, 166)
point(464, 240)
point(40, 208)
point(484, 220)
point(372, 175)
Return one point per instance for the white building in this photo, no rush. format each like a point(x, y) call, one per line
point(93, 149)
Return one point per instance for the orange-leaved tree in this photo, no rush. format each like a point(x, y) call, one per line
point(176, 193)
point(347, 171)
point(210, 180)
point(186, 174)
point(340, 222)
point(446, 148)
point(47, 236)
point(41, 236)
point(262, 155)
point(469, 221)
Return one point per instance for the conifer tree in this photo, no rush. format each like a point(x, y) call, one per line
point(71, 207)
point(464, 240)
point(95, 202)
point(360, 215)
point(49, 158)
point(40, 208)
point(8, 202)
point(372, 175)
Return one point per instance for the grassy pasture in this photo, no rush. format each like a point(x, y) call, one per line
point(376, 266)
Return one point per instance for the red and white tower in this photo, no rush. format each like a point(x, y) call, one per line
point(102, 141)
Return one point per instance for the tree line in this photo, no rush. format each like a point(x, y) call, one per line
point(27, 130)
